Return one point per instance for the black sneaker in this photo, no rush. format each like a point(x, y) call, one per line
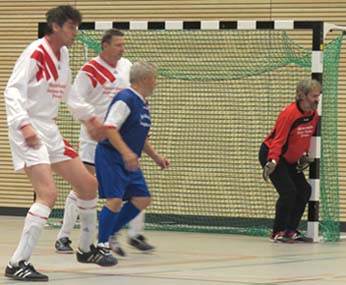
point(98, 255)
point(115, 246)
point(280, 237)
point(24, 272)
point(62, 245)
point(139, 242)
point(298, 236)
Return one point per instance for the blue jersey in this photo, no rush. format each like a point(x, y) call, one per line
point(135, 128)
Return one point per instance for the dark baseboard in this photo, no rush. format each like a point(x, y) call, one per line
point(164, 219)
point(11, 211)
point(343, 227)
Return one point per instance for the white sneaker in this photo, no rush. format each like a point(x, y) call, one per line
point(115, 246)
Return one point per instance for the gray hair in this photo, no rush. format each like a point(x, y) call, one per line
point(305, 86)
point(142, 69)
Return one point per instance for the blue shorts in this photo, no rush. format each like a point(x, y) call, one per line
point(114, 180)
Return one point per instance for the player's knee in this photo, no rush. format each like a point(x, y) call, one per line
point(147, 202)
point(47, 196)
point(141, 202)
point(88, 188)
point(114, 204)
point(91, 183)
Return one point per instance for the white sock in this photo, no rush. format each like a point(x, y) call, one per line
point(35, 220)
point(87, 215)
point(70, 215)
point(136, 226)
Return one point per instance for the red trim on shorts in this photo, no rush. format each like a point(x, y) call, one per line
point(110, 127)
point(69, 151)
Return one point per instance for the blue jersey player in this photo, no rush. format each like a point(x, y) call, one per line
point(117, 158)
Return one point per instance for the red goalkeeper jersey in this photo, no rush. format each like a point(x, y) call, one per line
point(292, 133)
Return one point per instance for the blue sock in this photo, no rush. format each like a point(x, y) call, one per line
point(126, 214)
point(107, 219)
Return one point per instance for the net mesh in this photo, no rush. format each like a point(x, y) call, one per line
point(218, 95)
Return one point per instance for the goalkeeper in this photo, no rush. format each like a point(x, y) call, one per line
point(284, 155)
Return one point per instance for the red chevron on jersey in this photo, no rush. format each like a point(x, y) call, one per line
point(92, 79)
point(103, 70)
point(39, 57)
point(50, 63)
point(93, 73)
point(46, 64)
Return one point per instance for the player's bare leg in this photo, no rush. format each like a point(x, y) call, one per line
point(85, 186)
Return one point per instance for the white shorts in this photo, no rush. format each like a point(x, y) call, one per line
point(87, 152)
point(53, 147)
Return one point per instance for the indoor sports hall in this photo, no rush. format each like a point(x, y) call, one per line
point(225, 71)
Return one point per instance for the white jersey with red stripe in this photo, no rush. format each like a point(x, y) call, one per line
point(38, 83)
point(97, 83)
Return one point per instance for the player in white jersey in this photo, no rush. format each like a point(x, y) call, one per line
point(97, 82)
point(40, 80)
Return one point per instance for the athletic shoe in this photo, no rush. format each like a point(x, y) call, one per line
point(104, 245)
point(62, 245)
point(115, 246)
point(98, 255)
point(24, 272)
point(139, 242)
point(298, 236)
point(280, 237)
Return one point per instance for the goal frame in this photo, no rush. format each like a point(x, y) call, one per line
point(319, 30)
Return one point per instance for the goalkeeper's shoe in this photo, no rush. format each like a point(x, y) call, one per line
point(139, 242)
point(24, 272)
point(280, 237)
point(298, 236)
point(98, 255)
point(62, 245)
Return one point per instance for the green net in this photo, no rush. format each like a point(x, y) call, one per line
point(329, 207)
point(218, 95)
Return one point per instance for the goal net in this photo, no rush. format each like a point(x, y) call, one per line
point(219, 93)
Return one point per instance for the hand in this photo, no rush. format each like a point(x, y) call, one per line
point(268, 169)
point(31, 138)
point(131, 161)
point(162, 162)
point(95, 128)
point(304, 162)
